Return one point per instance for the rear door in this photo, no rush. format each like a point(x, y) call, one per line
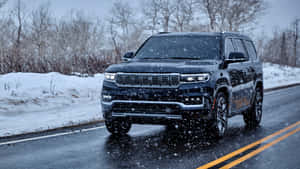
point(236, 76)
point(255, 66)
point(246, 88)
point(244, 91)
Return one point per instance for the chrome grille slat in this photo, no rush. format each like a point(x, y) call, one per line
point(148, 80)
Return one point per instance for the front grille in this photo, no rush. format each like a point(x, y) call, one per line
point(145, 108)
point(147, 80)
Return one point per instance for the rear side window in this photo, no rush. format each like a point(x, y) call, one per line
point(251, 50)
point(240, 47)
point(228, 47)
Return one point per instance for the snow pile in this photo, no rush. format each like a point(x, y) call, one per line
point(33, 85)
point(32, 102)
point(46, 90)
point(277, 75)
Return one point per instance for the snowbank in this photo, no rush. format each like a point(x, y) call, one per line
point(32, 102)
point(276, 75)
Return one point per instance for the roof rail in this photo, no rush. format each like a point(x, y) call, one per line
point(164, 32)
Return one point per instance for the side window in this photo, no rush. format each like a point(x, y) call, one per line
point(228, 47)
point(251, 50)
point(240, 47)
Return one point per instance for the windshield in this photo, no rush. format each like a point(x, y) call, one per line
point(181, 47)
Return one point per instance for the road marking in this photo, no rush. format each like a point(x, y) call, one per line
point(50, 136)
point(259, 150)
point(239, 151)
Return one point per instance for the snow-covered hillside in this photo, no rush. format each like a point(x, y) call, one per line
point(34, 102)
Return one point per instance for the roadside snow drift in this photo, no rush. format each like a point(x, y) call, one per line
point(32, 102)
point(277, 75)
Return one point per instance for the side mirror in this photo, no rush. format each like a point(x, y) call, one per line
point(128, 56)
point(235, 57)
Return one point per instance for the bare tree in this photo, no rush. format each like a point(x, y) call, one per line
point(232, 15)
point(3, 41)
point(114, 40)
point(123, 15)
point(20, 23)
point(126, 31)
point(19, 12)
point(283, 50)
point(210, 7)
point(41, 23)
point(295, 43)
point(244, 13)
point(122, 19)
point(167, 9)
point(183, 15)
point(260, 43)
point(151, 9)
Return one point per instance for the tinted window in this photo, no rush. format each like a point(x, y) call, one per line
point(177, 47)
point(240, 47)
point(228, 47)
point(251, 50)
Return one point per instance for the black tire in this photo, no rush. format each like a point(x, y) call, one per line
point(253, 117)
point(218, 125)
point(118, 127)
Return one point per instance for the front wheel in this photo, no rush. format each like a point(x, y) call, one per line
point(118, 127)
point(253, 117)
point(219, 123)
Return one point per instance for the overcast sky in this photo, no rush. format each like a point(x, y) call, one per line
point(279, 14)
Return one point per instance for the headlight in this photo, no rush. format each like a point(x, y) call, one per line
point(191, 78)
point(110, 76)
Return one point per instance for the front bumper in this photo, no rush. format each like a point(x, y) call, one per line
point(148, 105)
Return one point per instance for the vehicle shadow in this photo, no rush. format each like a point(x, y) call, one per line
point(165, 145)
point(131, 152)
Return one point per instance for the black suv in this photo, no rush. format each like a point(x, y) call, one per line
point(185, 79)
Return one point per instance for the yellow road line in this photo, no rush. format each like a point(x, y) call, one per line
point(255, 152)
point(239, 151)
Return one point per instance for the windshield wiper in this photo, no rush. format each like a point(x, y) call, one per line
point(183, 58)
point(189, 58)
point(150, 58)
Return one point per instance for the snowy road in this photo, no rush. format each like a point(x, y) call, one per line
point(154, 147)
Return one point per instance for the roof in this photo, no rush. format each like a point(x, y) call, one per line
point(224, 34)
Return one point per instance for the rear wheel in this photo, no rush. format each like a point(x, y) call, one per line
point(118, 127)
point(219, 123)
point(253, 117)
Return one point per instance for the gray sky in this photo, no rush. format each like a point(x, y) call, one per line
point(279, 14)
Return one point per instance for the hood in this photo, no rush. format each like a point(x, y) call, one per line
point(165, 66)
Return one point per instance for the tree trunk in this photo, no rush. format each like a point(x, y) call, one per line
point(296, 42)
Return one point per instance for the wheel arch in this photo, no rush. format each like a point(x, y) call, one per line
point(226, 90)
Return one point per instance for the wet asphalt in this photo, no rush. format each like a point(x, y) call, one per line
point(154, 147)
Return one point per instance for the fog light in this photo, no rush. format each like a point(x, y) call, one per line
point(190, 79)
point(106, 98)
point(187, 99)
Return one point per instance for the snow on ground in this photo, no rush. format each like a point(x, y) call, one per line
point(276, 75)
point(32, 102)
